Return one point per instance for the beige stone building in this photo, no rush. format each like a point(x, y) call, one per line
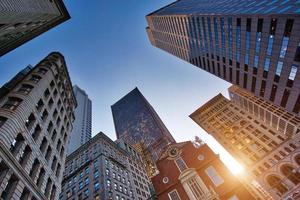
point(36, 116)
point(261, 136)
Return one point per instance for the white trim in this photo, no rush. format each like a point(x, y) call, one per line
point(169, 194)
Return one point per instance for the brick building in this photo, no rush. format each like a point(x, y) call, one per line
point(36, 116)
point(21, 21)
point(253, 44)
point(192, 171)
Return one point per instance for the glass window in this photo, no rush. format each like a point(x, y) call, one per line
point(174, 195)
point(234, 197)
point(214, 176)
point(12, 103)
point(25, 89)
point(267, 64)
point(87, 181)
point(80, 185)
point(270, 45)
point(284, 45)
point(180, 164)
point(293, 72)
point(96, 174)
point(96, 186)
point(279, 68)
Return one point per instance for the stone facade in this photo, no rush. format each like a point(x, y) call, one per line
point(103, 169)
point(192, 171)
point(82, 126)
point(253, 44)
point(21, 21)
point(36, 116)
point(139, 125)
point(262, 137)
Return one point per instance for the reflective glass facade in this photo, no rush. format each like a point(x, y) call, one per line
point(238, 41)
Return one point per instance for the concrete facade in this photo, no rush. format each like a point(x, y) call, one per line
point(103, 169)
point(139, 125)
point(262, 137)
point(192, 171)
point(36, 116)
point(21, 21)
point(253, 44)
point(82, 126)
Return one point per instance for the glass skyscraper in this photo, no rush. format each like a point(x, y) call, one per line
point(82, 127)
point(254, 44)
point(138, 124)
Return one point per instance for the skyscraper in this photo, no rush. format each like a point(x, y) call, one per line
point(253, 44)
point(192, 171)
point(261, 136)
point(82, 127)
point(36, 116)
point(139, 125)
point(21, 21)
point(104, 169)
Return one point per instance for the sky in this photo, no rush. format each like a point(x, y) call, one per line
point(108, 54)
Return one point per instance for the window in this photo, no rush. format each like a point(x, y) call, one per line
point(87, 181)
point(96, 186)
point(108, 183)
point(46, 93)
point(25, 89)
point(42, 71)
point(180, 164)
point(293, 72)
point(35, 78)
point(297, 54)
point(234, 197)
point(174, 195)
point(279, 68)
point(2, 120)
point(214, 176)
point(86, 193)
point(80, 185)
point(96, 174)
point(12, 103)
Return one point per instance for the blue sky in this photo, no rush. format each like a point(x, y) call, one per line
point(108, 54)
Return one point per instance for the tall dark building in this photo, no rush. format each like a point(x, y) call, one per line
point(21, 21)
point(254, 44)
point(138, 124)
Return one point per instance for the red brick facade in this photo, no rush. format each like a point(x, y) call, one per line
point(189, 153)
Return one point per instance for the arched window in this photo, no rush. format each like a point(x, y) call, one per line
point(276, 183)
point(287, 149)
point(297, 159)
point(291, 173)
point(17, 144)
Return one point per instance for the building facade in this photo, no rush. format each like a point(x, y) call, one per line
point(137, 123)
point(36, 116)
point(82, 126)
point(253, 44)
point(192, 171)
point(262, 137)
point(21, 21)
point(102, 169)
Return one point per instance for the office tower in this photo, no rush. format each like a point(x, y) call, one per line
point(103, 169)
point(192, 171)
point(82, 126)
point(262, 137)
point(21, 21)
point(253, 44)
point(36, 116)
point(139, 125)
